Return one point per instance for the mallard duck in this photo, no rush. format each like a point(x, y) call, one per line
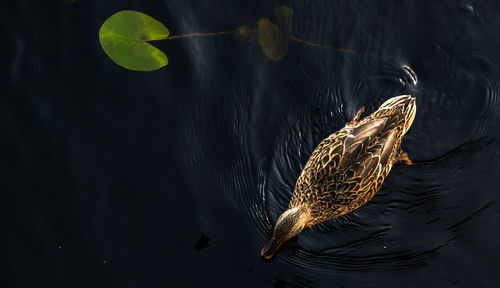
point(346, 169)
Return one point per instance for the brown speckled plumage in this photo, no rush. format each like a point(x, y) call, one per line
point(348, 167)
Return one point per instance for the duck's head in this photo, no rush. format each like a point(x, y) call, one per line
point(407, 103)
point(290, 223)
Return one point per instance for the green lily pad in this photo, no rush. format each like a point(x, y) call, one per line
point(124, 37)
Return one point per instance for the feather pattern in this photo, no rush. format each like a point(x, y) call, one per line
point(348, 167)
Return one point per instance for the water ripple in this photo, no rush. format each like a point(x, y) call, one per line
point(418, 211)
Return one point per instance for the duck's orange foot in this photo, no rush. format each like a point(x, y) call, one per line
point(403, 157)
point(355, 120)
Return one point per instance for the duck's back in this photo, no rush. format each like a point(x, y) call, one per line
point(348, 167)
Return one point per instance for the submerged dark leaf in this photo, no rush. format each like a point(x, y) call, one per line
point(274, 39)
point(246, 33)
point(273, 42)
point(284, 15)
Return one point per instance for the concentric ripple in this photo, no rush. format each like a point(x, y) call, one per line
point(267, 123)
point(380, 235)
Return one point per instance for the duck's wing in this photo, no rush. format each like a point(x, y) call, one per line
point(344, 164)
point(367, 151)
point(324, 160)
point(369, 145)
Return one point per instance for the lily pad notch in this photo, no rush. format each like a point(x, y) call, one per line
point(124, 38)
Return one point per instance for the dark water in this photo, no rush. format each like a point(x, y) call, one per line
point(174, 178)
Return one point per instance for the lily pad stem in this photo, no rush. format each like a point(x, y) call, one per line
point(341, 50)
point(199, 35)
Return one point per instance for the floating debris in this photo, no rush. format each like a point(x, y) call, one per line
point(202, 243)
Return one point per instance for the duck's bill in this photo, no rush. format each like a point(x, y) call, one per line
point(269, 250)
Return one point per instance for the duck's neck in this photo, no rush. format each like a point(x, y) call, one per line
point(303, 215)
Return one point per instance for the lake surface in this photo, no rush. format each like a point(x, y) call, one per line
point(174, 178)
